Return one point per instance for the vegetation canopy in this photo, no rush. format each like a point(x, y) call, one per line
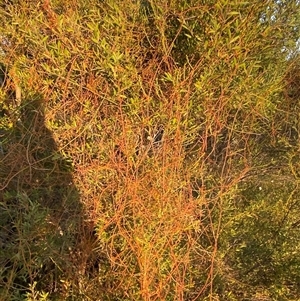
point(149, 150)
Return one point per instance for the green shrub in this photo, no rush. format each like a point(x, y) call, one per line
point(153, 153)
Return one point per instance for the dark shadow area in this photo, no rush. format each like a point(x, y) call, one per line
point(40, 211)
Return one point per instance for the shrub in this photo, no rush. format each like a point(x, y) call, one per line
point(133, 158)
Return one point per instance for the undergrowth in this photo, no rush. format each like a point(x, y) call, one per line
point(154, 152)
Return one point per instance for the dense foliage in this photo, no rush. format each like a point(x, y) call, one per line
point(149, 150)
